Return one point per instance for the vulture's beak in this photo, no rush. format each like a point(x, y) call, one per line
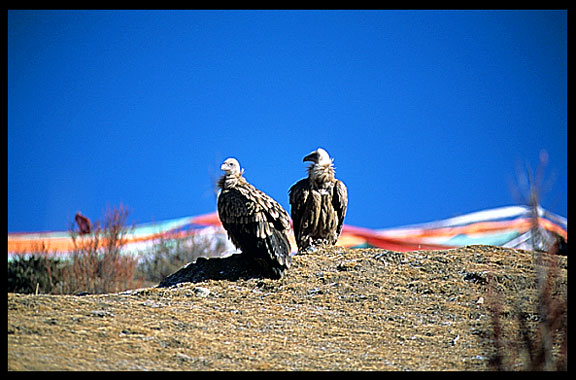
point(311, 157)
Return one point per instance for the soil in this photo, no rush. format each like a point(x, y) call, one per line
point(334, 309)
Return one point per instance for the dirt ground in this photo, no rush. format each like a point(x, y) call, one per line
point(335, 309)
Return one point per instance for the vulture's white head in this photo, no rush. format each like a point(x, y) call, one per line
point(231, 166)
point(319, 157)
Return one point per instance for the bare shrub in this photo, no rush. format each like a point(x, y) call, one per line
point(533, 336)
point(528, 189)
point(97, 264)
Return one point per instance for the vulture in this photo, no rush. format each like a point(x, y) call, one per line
point(83, 223)
point(318, 204)
point(256, 224)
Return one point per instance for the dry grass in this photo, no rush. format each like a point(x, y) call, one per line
point(338, 309)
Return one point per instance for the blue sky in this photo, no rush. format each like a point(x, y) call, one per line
point(427, 114)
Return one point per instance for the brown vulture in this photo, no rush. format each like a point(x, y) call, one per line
point(83, 223)
point(318, 204)
point(256, 224)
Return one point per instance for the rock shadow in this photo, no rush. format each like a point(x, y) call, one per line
point(231, 268)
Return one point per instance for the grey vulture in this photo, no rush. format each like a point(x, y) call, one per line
point(256, 224)
point(318, 204)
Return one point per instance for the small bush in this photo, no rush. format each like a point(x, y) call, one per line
point(97, 266)
point(34, 272)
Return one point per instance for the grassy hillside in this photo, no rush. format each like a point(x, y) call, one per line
point(337, 309)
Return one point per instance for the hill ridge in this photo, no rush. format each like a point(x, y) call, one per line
point(335, 309)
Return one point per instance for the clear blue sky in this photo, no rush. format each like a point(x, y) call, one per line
point(427, 113)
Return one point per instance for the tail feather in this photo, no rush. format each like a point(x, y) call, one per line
point(278, 248)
